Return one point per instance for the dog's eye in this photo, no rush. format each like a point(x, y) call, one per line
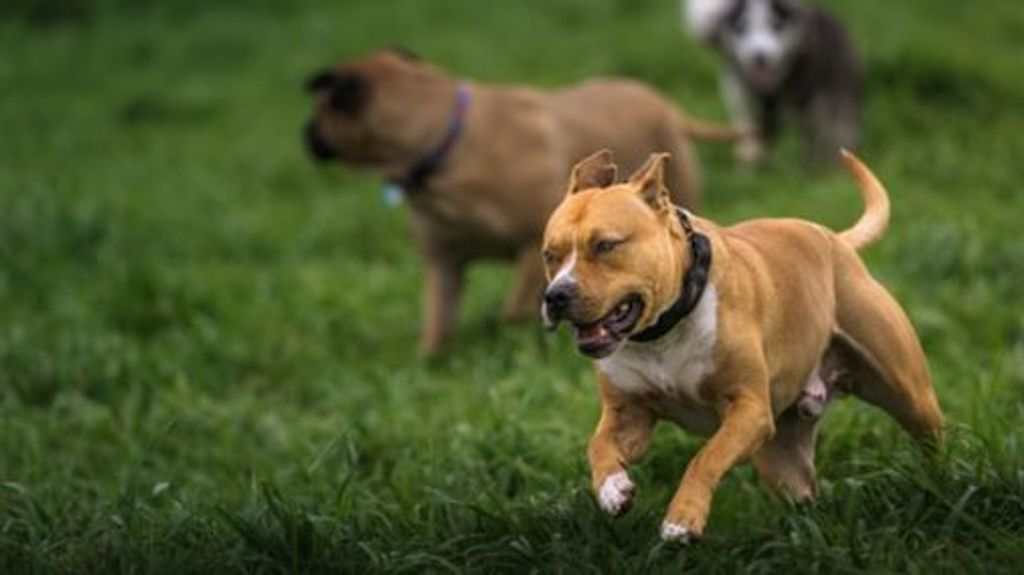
point(781, 16)
point(549, 257)
point(604, 247)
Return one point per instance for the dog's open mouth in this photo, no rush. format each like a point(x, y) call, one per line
point(602, 337)
point(763, 77)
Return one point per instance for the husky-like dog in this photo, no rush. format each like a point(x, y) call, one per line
point(783, 57)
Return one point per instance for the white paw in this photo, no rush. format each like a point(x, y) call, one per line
point(616, 493)
point(750, 151)
point(675, 532)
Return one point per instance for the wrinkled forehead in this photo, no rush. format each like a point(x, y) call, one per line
point(613, 212)
point(379, 63)
point(761, 12)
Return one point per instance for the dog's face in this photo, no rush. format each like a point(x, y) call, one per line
point(761, 38)
point(360, 107)
point(612, 254)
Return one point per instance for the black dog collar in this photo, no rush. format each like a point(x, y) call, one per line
point(417, 177)
point(695, 280)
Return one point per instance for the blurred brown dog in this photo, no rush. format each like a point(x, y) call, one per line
point(738, 333)
point(482, 166)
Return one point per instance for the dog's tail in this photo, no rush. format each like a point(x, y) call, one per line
point(704, 130)
point(875, 218)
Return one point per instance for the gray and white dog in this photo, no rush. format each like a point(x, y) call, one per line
point(783, 57)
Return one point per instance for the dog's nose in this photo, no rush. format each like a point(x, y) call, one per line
point(320, 150)
point(760, 60)
point(559, 297)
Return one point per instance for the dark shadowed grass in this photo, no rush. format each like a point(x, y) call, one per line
point(207, 344)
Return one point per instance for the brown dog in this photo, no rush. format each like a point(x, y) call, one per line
point(483, 166)
point(739, 333)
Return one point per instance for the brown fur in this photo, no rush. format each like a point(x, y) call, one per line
point(793, 300)
point(505, 173)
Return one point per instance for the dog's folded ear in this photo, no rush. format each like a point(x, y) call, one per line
point(348, 91)
point(320, 80)
point(650, 181)
point(595, 171)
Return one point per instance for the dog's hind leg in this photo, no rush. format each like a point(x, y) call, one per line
point(523, 300)
point(746, 115)
point(443, 279)
point(786, 461)
point(882, 359)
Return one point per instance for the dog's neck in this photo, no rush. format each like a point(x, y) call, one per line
point(414, 179)
point(694, 282)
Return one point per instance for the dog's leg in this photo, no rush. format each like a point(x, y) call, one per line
point(847, 123)
point(816, 126)
point(442, 288)
point(747, 423)
point(826, 128)
point(786, 462)
point(523, 300)
point(882, 357)
point(620, 439)
point(745, 116)
point(769, 121)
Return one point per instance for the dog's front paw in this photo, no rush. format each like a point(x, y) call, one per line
point(616, 493)
point(750, 152)
point(677, 533)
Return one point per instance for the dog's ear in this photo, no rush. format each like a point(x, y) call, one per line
point(320, 80)
point(595, 171)
point(650, 181)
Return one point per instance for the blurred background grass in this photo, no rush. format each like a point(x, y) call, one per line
point(207, 344)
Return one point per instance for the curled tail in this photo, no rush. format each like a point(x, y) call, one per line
point(703, 130)
point(875, 219)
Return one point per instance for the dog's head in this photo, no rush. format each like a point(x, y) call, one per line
point(761, 37)
point(362, 107)
point(613, 253)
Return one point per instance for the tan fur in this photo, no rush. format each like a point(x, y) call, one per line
point(506, 172)
point(793, 300)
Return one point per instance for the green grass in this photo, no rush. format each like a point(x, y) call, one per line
point(207, 344)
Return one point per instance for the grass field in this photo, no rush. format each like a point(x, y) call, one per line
point(207, 344)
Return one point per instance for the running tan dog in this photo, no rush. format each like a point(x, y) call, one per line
point(483, 166)
point(737, 333)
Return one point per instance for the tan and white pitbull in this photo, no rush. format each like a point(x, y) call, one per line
point(737, 333)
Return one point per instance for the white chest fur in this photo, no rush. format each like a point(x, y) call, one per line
point(673, 366)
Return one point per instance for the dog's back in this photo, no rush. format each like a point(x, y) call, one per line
point(632, 120)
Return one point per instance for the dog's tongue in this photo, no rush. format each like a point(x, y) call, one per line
point(763, 77)
point(591, 333)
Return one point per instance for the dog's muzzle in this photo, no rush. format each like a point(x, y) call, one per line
point(315, 144)
point(557, 302)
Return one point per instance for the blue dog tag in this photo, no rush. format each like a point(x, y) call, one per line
point(392, 194)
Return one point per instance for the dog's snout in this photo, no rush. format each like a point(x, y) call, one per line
point(316, 145)
point(761, 59)
point(559, 297)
